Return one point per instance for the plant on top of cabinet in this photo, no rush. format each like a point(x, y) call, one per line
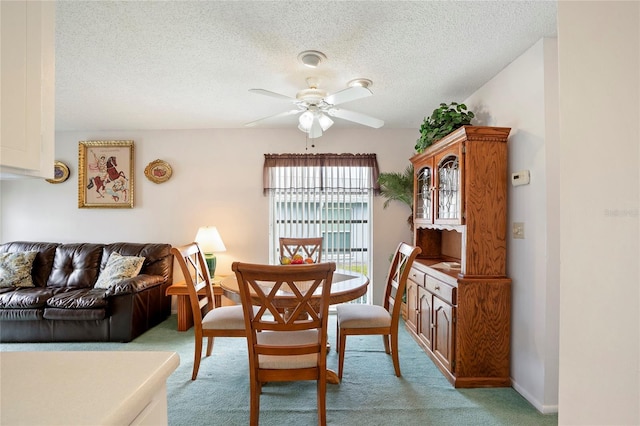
point(395, 186)
point(443, 120)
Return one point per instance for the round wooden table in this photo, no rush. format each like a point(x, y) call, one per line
point(345, 286)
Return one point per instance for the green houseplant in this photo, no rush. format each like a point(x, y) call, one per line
point(444, 120)
point(395, 186)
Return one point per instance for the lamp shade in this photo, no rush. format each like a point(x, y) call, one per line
point(314, 123)
point(305, 121)
point(209, 240)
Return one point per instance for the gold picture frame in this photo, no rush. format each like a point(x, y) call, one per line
point(60, 172)
point(105, 174)
point(158, 171)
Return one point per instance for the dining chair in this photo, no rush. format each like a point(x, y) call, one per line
point(360, 319)
point(308, 248)
point(209, 321)
point(287, 346)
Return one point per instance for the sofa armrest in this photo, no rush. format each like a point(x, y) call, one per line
point(135, 284)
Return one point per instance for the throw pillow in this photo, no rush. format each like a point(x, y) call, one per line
point(119, 268)
point(15, 269)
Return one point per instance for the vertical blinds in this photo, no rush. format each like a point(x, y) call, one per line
point(323, 195)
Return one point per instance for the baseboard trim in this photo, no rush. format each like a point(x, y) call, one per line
point(543, 409)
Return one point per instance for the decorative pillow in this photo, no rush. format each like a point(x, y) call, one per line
point(15, 269)
point(119, 268)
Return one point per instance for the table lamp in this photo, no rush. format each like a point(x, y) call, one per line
point(208, 238)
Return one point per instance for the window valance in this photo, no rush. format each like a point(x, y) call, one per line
point(347, 172)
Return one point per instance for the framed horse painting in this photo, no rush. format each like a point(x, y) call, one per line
point(105, 174)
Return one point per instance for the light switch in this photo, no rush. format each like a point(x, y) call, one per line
point(518, 230)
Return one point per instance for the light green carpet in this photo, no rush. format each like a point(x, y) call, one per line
point(370, 394)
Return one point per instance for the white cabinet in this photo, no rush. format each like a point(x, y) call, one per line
point(27, 92)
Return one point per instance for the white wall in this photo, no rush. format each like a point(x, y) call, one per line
point(520, 97)
point(599, 80)
point(217, 180)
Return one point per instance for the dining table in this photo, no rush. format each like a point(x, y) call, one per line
point(345, 287)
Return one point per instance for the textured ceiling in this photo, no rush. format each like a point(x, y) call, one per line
point(189, 65)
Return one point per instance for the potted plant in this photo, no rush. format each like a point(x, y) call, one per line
point(444, 120)
point(395, 186)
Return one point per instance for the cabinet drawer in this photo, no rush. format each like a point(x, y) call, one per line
point(440, 289)
point(417, 276)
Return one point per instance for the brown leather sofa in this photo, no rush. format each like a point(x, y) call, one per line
point(64, 305)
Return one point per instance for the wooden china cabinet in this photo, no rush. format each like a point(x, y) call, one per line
point(458, 296)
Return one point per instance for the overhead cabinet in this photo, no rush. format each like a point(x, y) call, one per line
point(458, 296)
point(27, 38)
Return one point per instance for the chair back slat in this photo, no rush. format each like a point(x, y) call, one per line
point(305, 247)
point(289, 350)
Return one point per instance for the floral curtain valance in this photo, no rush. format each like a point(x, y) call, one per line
point(349, 172)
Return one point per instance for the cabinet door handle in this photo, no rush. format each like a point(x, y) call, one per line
point(437, 288)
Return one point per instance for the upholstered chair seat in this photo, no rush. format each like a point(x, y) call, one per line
point(363, 316)
point(224, 318)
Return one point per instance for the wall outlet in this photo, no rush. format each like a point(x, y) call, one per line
point(518, 230)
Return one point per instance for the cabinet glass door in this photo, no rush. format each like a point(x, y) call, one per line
point(448, 189)
point(425, 182)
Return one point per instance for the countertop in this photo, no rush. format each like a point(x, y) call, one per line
point(80, 388)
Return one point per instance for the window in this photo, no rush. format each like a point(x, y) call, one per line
point(325, 195)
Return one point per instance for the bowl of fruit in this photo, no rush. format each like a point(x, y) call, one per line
point(297, 259)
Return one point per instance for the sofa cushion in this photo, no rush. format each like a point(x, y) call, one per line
point(82, 298)
point(119, 268)
point(75, 265)
point(74, 314)
point(158, 257)
point(42, 263)
point(15, 269)
point(21, 314)
point(134, 285)
point(25, 298)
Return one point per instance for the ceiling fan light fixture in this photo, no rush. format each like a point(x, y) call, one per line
point(316, 129)
point(305, 121)
point(314, 123)
point(360, 82)
point(311, 58)
point(325, 122)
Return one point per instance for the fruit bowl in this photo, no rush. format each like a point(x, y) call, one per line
point(295, 260)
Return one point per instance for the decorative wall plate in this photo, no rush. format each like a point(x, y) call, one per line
point(158, 171)
point(60, 172)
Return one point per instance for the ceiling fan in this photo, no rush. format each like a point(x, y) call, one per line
point(316, 107)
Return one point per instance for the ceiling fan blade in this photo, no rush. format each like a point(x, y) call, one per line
point(356, 117)
point(282, 114)
point(272, 94)
point(347, 95)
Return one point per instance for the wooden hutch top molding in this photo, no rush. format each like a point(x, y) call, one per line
point(469, 133)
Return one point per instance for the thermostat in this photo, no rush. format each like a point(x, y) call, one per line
point(520, 178)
